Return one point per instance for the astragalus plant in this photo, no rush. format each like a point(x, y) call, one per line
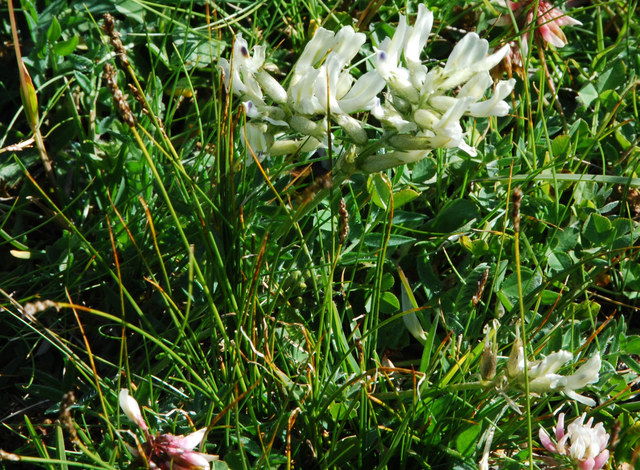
point(416, 109)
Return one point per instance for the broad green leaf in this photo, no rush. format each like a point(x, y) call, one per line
point(560, 145)
point(610, 99)
point(403, 196)
point(559, 261)
point(468, 439)
point(612, 78)
point(389, 303)
point(388, 281)
point(131, 9)
point(588, 94)
point(454, 215)
point(632, 345)
point(423, 170)
point(530, 281)
point(64, 48)
point(597, 229)
point(54, 31)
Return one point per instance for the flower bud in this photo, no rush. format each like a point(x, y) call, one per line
point(515, 363)
point(489, 359)
point(131, 408)
point(271, 87)
point(353, 127)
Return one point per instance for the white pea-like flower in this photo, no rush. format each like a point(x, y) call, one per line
point(543, 374)
point(423, 107)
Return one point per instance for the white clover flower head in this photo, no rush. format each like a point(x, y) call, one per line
point(585, 444)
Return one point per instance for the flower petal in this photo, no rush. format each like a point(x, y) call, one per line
point(546, 441)
point(131, 408)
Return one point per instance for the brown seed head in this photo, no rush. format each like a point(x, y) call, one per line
point(516, 200)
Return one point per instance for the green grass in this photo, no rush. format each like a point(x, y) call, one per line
point(164, 256)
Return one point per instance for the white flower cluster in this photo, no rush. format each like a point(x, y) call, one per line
point(584, 443)
point(543, 376)
point(421, 110)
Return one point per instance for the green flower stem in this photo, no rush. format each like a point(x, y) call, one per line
point(524, 345)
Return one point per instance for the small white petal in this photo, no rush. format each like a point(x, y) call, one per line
point(587, 373)
point(131, 408)
point(418, 35)
point(189, 441)
point(348, 43)
point(363, 94)
point(316, 49)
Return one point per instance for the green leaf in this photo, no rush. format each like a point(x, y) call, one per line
point(373, 240)
point(610, 99)
point(379, 188)
point(389, 303)
point(423, 170)
point(64, 48)
point(632, 345)
point(567, 239)
point(83, 81)
point(530, 281)
point(131, 9)
point(597, 229)
point(560, 145)
point(400, 198)
point(387, 281)
point(468, 439)
point(585, 309)
point(612, 78)
point(54, 31)
point(559, 261)
point(588, 94)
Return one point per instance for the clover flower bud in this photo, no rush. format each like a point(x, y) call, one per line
point(304, 126)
